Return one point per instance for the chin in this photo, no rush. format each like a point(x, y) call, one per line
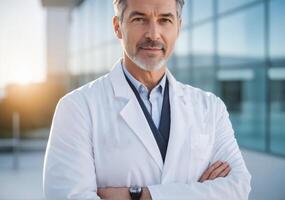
point(150, 66)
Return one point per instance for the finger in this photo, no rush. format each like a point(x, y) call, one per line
point(207, 173)
point(225, 172)
point(215, 173)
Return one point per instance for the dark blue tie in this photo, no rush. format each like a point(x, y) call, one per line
point(161, 134)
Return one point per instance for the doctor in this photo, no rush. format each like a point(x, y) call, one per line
point(137, 133)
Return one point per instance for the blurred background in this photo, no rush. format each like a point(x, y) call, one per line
point(233, 48)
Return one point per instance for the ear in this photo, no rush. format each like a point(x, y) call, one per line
point(117, 28)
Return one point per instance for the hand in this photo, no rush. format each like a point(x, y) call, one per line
point(218, 169)
point(145, 194)
point(113, 193)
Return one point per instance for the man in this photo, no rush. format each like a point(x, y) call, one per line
point(137, 133)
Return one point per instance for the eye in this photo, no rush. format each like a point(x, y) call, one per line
point(165, 20)
point(138, 19)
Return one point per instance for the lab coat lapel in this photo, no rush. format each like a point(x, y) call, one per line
point(178, 130)
point(133, 114)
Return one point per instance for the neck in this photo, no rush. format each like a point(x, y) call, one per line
point(148, 78)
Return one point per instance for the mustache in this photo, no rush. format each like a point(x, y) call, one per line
point(151, 44)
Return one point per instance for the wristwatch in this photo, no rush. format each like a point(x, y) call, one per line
point(135, 192)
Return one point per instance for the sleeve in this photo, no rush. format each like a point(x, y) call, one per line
point(69, 170)
point(235, 186)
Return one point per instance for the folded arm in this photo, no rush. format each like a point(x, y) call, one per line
point(218, 169)
point(235, 186)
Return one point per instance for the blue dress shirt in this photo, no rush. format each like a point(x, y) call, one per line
point(152, 99)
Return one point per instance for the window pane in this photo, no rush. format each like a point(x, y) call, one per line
point(225, 5)
point(202, 9)
point(186, 13)
point(202, 45)
point(241, 37)
point(277, 30)
point(245, 103)
point(181, 57)
point(277, 114)
point(231, 91)
point(203, 77)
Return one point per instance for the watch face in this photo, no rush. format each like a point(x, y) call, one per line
point(135, 189)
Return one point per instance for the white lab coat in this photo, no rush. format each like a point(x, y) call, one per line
point(100, 138)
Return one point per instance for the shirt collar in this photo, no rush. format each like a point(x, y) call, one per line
point(140, 87)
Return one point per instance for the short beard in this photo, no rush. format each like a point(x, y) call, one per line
point(148, 67)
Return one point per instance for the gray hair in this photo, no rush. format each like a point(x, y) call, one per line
point(121, 5)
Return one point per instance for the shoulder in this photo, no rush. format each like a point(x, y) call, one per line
point(197, 94)
point(200, 98)
point(87, 93)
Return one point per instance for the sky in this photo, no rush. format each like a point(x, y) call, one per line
point(22, 42)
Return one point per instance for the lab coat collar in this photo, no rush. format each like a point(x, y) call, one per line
point(122, 89)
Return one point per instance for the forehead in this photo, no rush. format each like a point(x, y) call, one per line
point(152, 6)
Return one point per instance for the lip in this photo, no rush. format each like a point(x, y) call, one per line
point(151, 49)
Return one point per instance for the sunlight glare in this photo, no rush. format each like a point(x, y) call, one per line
point(23, 77)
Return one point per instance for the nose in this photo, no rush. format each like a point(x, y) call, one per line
point(153, 31)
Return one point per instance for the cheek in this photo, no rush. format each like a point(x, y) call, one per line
point(127, 37)
point(171, 40)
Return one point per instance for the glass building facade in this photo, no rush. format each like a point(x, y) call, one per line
point(235, 49)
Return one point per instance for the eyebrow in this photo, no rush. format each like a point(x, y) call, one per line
point(137, 13)
point(168, 15)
